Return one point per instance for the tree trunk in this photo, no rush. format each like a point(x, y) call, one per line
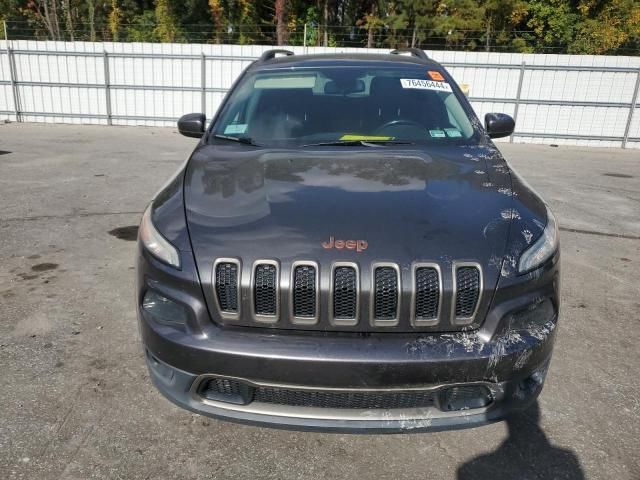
point(488, 35)
point(54, 18)
point(68, 19)
point(326, 23)
point(47, 20)
point(92, 20)
point(282, 30)
point(414, 35)
point(371, 24)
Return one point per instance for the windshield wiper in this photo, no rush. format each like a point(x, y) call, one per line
point(358, 143)
point(244, 140)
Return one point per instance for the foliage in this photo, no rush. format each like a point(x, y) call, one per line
point(556, 26)
point(606, 26)
point(167, 26)
point(143, 27)
point(115, 16)
point(553, 22)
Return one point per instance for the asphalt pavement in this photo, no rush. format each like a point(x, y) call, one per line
point(75, 397)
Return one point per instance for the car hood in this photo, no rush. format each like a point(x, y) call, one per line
point(442, 205)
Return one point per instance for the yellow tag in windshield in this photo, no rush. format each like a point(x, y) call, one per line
point(364, 138)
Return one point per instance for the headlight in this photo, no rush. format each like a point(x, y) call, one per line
point(155, 243)
point(543, 249)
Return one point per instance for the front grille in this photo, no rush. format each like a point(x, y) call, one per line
point(226, 286)
point(234, 391)
point(345, 293)
point(359, 400)
point(467, 291)
point(427, 293)
point(385, 296)
point(389, 291)
point(304, 291)
point(265, 289)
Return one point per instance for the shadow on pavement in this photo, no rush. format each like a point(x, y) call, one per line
point(525, 454)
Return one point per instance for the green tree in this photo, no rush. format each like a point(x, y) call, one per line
point(194, 19)
point(564, 26)
point(217, 15)
point(142, 27)
point(115, 17)
point(236, 21)
point(554, 24)
point(372, 20)
point(458, 23)
point(606, 26)
point(167, 25)
point(500, 18)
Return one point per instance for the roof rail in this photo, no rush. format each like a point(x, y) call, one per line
point(271, 54)
point(415, 52)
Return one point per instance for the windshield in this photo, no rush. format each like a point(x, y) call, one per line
point(308, 106)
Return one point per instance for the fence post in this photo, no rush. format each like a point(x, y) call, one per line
point(14, 83)
point(515, 110)
point(12, 74)
point(634, 100)
point(203, 84)
point(107, 90)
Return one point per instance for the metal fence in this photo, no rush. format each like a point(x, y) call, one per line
point(79, 83)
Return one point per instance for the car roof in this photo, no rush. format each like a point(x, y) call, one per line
point(341, 59)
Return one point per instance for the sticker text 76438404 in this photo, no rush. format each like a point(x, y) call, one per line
point(425, 84)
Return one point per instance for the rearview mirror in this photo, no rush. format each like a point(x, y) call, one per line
point(333, 87)
point(499, 125)
point(192, 124)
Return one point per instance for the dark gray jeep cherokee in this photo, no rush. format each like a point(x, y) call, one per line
point(346, 249)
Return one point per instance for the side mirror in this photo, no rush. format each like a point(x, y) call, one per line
point(192, 125)
point(499, 125)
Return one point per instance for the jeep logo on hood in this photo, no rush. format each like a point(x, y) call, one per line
point(357, 245)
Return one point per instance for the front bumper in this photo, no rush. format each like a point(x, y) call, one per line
point(508, 357)
point(511, 367)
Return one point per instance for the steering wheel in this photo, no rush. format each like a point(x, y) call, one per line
point(396, 123)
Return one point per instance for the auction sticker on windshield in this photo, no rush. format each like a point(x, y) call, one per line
point(425, 84)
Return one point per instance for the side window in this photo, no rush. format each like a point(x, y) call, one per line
point(458, 116)
point(238, 119)
point(452, 119)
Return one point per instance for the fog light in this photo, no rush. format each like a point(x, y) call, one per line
point(465, 398)
point(226, 390)
point(163, 310)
